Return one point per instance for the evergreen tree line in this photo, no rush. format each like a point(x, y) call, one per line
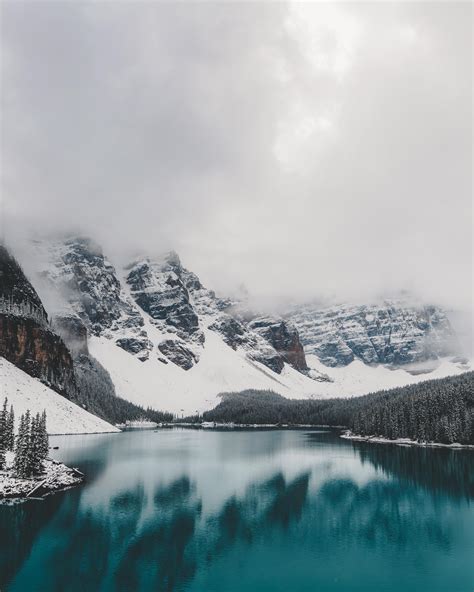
point(23, 309)
point(30, 445)
point(7, 426)
point(432, 411)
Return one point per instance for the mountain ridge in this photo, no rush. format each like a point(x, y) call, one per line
point(169, 342)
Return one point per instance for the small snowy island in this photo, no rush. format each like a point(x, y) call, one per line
point(55, 476)
point(25, 469)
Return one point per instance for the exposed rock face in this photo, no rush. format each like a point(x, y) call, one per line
point(178, 353)
point(284, 337)
point(231, 330)
point(73, 332)
point(393, 332)
point(140, 347)
point(155, 300)
point(237, 335)
point(38, 351)
point(17, 295)
point(58, 354)
point(158, 288)
point(90, 284)
point(26, 339)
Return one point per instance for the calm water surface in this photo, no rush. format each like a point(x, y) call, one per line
point(235, 511)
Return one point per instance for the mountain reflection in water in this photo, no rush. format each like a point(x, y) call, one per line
point(308, 498)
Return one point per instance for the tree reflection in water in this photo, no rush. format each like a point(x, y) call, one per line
point(160, 540)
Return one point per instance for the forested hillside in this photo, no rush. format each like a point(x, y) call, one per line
point(432, 411)
point(96, 394)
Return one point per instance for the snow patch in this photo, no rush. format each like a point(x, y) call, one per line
point(63, 416)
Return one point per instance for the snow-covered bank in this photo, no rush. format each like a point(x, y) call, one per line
point(137, 425)
point(348, 435)
point(63, 416)
point(56, 477)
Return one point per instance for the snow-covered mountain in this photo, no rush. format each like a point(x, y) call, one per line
point(159, 297)
point(170, 343)
point(166, 340)
point(36, 345)
point(393, 332)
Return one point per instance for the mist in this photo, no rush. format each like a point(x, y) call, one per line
point(304, 150)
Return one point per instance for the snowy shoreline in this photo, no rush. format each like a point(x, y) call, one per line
point(209, 425)
point(348, 435)
point(55, 477)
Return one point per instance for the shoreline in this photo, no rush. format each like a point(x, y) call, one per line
point(230, 426)
point(348, 435)
point(55, 477)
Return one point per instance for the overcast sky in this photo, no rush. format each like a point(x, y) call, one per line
point(302, 149)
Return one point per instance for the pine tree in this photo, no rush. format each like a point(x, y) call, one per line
point(3, 434)
point(44, 439)
point(11, 429)
point(35, 461)
point(21, 461)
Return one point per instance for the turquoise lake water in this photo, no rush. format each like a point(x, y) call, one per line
point(246, 511)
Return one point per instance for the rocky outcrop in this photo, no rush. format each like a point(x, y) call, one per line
point(17, 295)
point(26, 338)
point(178, 353)
point(394, 332)
point(237, 335)
point(284, 337)
point(38, 351)
point(139, 347)
point(231, 330)
point(158, 288)
point(88, 281)
point(73, 332)
point(156, 298)
point(162, 292)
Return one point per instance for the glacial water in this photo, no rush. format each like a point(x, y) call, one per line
point(246, 511)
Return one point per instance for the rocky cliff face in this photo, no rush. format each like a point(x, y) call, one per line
point(87, 280)
point(284, 337)
point(394, 332)
point(26, 338)
point(38, 351)
point(158, 287)
point(17, 295)
point(73, 332)
point(156, 307)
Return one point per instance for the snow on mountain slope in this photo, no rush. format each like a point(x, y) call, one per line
point(358, 378)
point(170, 343)
point(63, 417)
point(222, 369)
point(169, 387)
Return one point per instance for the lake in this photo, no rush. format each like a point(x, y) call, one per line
point(246, 510)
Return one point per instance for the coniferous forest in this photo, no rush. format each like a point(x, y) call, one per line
point(431, 411)
point(30, 445)
point(96, 394)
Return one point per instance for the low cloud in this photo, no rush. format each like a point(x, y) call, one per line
point(306, 150)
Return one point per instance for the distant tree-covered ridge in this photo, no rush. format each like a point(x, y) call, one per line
point(432, 411)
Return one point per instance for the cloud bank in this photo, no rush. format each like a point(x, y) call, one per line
point(306, 150)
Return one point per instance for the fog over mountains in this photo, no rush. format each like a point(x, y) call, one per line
point(152, 334)
point(224, 197)
point(256, 140)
